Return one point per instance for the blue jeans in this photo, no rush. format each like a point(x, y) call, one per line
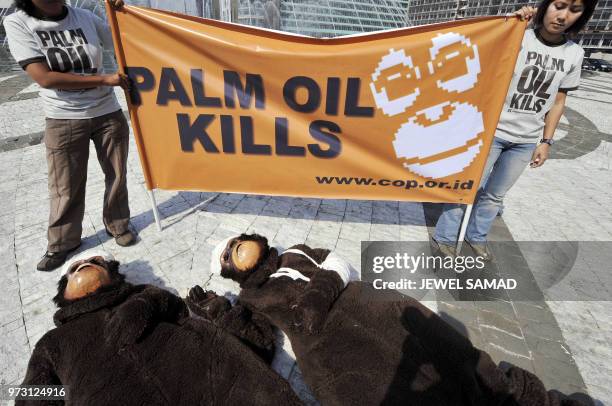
point(506, 161)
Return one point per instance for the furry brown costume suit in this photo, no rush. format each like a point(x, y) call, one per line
point(355, 347)
point(134, 345)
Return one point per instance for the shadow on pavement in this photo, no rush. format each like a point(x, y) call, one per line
point(141, 272)
point(186, 203)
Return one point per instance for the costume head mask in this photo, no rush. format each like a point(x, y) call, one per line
point(85, 275)
point(236, 258)
point(86, 278)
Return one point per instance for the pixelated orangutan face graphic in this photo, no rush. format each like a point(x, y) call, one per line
point(441, 136)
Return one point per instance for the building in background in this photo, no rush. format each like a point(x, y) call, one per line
point(199, 8)
point(324, 18)
point(597, 36)
point(421, 12)
point(6, 61)
point(259, 13)
point(319, 18)
point(330, 18)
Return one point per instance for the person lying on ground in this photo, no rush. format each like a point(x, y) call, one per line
point(118, 343)
point(355, 345)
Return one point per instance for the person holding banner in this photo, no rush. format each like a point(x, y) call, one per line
point(547, 68)
point(60, 48)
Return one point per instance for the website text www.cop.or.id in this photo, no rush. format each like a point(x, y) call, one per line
point(398, 183)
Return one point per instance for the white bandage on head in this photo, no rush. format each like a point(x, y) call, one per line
point(85, 255)
point(220, 285)
point(215, 256)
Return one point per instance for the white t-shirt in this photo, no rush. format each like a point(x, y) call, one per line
point(541, 71)
point(71, 43)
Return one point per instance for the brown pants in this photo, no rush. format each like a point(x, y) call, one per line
point(67, 144)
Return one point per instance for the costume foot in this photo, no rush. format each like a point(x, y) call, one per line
point(53, 260)
point(124, 239)
point(481, 249)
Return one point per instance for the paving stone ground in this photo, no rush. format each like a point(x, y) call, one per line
point(566, 341)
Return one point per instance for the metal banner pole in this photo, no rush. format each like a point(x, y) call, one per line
point(154, 208)
point(464, 224)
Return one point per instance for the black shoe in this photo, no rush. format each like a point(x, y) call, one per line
point(53, 260)
point(125, 239)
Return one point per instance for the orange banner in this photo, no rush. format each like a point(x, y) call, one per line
point(407, 114)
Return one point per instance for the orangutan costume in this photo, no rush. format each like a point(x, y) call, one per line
point(120, 344)
point(358, 346)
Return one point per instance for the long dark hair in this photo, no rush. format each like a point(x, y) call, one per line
point(26, 6)
point(589, 8)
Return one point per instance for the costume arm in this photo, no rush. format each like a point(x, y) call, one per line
point(40, 372)
point(143, 311)
point(312, 306)
point(155, 304)
point(165, 305)
point(252, 329)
